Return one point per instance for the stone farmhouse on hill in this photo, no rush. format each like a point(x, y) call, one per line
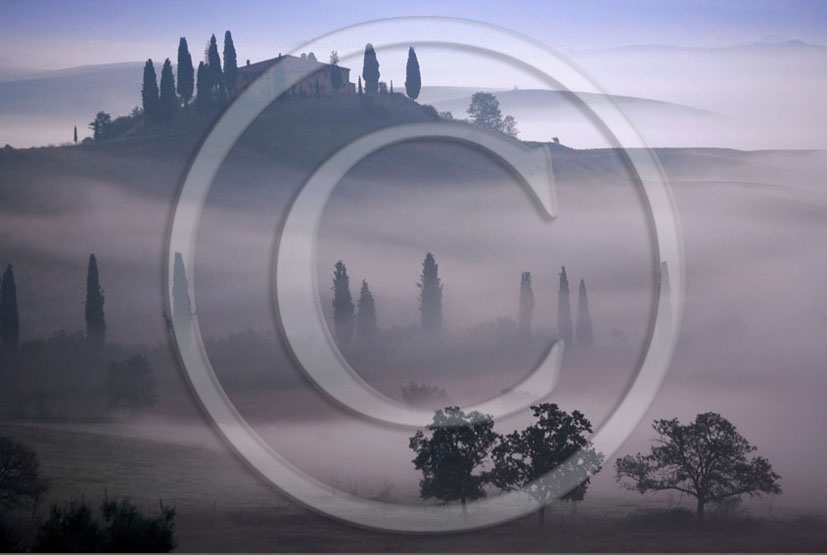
point(319, 75)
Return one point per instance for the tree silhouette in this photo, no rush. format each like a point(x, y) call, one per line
point(181, 305)
point(707, 459)
point(585, 334)
point(484, 111)
point(413, 79)
point(456, 447)
point(9, 317)
point(370, 70)
point(334, 58)
point(366, 327)
point(564, 310)
point(168, 101)
point(526, 309)
point(360, 88)
point(19, 474)
point(100, 126)
point(230, 63)
point(95, 322)
point(203, 90)
point(149, 93)
point(430, 296)
point(186, 77)
point(76, 134)
point(342, 306)
point(216, 76)
point(551, 459)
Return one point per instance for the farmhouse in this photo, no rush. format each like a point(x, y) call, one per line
point(313, 77)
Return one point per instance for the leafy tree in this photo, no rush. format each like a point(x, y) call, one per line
point(585, 333)
point(565, 331)
point(149, 93)
point(95, 321)
point(551, 459)
point(216, 75)
point(430, 296)
point(334, 58)
point(9, 317)
point(230, 63)
point(413, 80)
point(484, 111)
point(366, 327)
point(101, 126)
point(311, 57)
point(69, 530)
point(370, 70)
point(526, 310)
point(20, 478)
point(131, 384)
point(203, 90)
point(452, 454)
point(707, 459)
point(342, 305)
point(168, 101)
point(186, 77)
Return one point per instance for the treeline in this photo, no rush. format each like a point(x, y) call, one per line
point(357, 324)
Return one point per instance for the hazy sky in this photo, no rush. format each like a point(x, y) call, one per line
point(49, 35)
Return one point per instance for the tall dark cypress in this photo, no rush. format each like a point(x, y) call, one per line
point(203, 90)
point(370, 70)
point(181, 305)
point(95, 322)
point(585, 333)
point(430, 296)
point(216, 76)
point(413, 80)
point(230, 63)
point(186, 76)
point(342, 306)
point(564, 325)
point(9, 317)
point(168, 101)
point(76, 134)
point(149, 93)
point(526, 308)
point(366, 326)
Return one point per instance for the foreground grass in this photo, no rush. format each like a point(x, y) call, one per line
point(221, 506)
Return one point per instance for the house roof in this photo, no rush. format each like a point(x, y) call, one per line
point(288, 62)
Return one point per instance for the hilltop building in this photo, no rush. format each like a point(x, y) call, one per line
point(318, 74)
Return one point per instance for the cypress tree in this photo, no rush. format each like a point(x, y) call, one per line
point(181, 305)
point(342, 306)
point(168, 101)
point(366, 326)
point(413, 80)
point(360, 87)
point(370, 70)
point(526, 310)
point(216, 76)
point(230, 63)
point(95, 322)
point(203, 90)
point(585, 334)
point(76, 134)
point(430, 296)
point(149, 93)
point(564, 330)
point(186, 77)
point(9, 317)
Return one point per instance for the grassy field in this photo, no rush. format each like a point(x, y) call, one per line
point(223, 507)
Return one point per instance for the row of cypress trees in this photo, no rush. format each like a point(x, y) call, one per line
point(359, 322)
point(370, 73)
point(211, 84)
point(93, 308)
